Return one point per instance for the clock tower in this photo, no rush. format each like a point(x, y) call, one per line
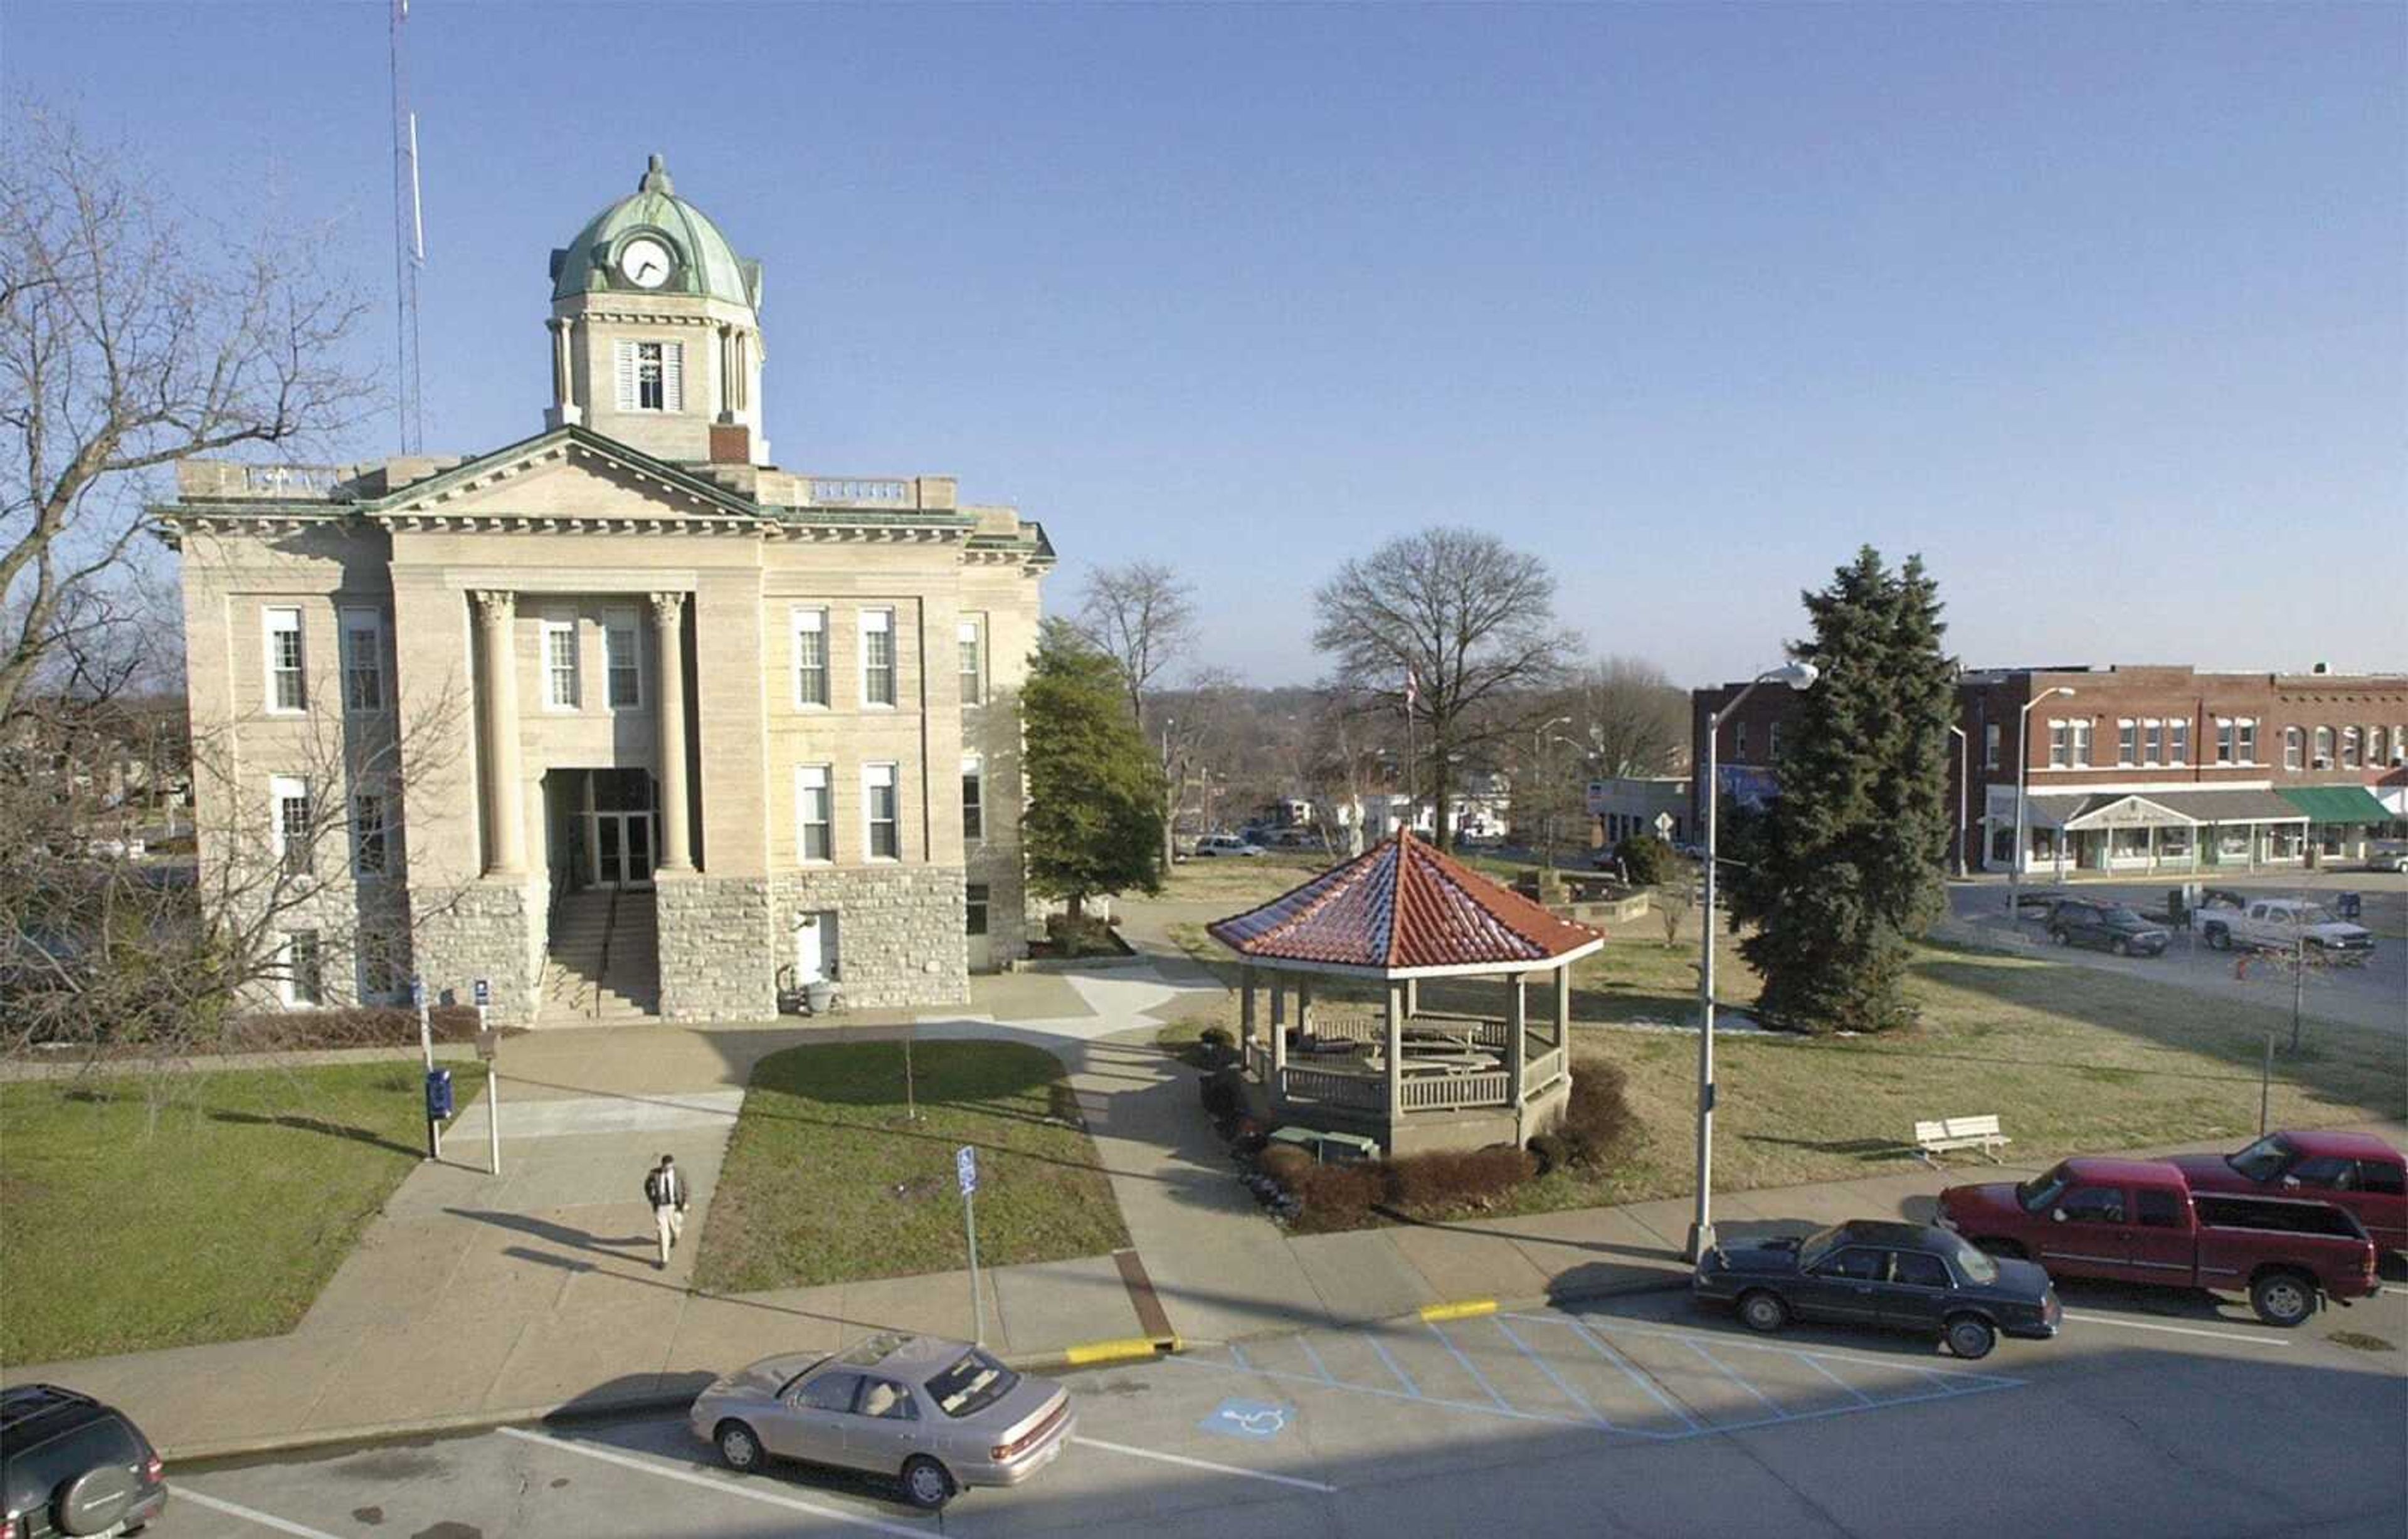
point(657, 331)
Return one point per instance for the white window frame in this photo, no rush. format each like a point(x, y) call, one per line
point(2082, 726)
point(2353, 748)
point(2127, 740)
point(970, 636)
point(1991, 736)
point(1738, 742)
point(881, 622)
point(627, 359)
point(891, 774)
point(357, 624)
point(978, 908)
point(2244, 729)
point(2321, 755)
point(973, 776)
point(2153, 740)
point(809, 777)
point(359, 829)
point(272, 618)
point(805, 619)
point(2178, 740)
point(1772, 741)
point(288, 989)
point(622, 622)
point(2295, 749)
point(283, 789)
point(2227, 733)
point(560, 625)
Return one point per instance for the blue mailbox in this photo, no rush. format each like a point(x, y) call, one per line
point(2350, 906)
point(439, 1095)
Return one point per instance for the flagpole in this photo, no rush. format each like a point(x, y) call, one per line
point(1410, 692)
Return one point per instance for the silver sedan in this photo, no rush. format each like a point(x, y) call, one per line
point(935, 1414)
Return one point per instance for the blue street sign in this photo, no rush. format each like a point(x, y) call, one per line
point(1251, 1419)
point(484, 993)
point(965, 1168)
point(417, 992)
point(439, 1095)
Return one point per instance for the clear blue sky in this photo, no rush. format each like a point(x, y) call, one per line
point(2099, 308)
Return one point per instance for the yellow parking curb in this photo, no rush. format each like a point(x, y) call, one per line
point(1109, 1351)
point(1461, 1309)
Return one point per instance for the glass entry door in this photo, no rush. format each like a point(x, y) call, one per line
point(623, 843)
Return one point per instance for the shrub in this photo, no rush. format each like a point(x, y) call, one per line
point(1454, 1180)
point(1645, 858)
point(1087, 935)
point(1216, 1036)
point(1599, 1122)
point(1552, 1151)
point(1336, 1197)
point(351, 1026)
point(1223, 1096)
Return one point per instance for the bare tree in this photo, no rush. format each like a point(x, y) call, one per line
point(1470, 622)
point(1631, 715)
point(1139, 615)
point(130, 338)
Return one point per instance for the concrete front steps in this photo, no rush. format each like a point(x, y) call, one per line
point(603, 967)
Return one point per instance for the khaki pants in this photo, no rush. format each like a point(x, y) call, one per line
point(673, 1224)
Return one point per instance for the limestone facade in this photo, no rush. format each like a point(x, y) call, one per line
point(633, 660)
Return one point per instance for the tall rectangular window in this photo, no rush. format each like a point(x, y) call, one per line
point(2081, 725)
point(973, 652)
point(362, 661)
point(879, 813)
point(1990, 745)
point(2127, 741)
point(305, 970)
point(2060, 743)
point(651, 376)
point(1772, 741)
point(2295, 748)
point(1739, 741)
point(285, 689)
point(2178, 740)
point(289, 831)
point(976, 897)
point(370, 852)
point(2156, 729)
point(2245, 739)
point(814, 818)
point(811, 657)
point(2350, 741)
point(878, 657)
point(973, 798)
point(623, 660)
point(379, 957)
point(560, 665)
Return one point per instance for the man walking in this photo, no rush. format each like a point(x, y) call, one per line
point(665, 1189)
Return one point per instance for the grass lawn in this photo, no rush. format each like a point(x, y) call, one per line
point(2071, 1059)
point(221, 1222)
point(826, 1181)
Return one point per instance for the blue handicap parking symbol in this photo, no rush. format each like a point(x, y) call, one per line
point(1253, 1419)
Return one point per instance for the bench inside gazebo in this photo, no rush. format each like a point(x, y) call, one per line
point(1400, 916)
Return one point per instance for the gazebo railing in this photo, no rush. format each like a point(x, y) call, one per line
point(1454, 1091)
point(1344, 1024)
point(1543, 1070)
point(1342, 1089)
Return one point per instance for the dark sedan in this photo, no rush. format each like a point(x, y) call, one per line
point(1896, 1276)
point(2107, 927)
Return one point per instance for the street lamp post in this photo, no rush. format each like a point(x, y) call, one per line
point(1964, 796)
point(1797, 676)
point(1547, 805)
point(2023, 774)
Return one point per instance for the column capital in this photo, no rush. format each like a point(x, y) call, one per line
point(666, 607)
point(495, 605)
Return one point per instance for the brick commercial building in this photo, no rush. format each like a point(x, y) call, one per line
point(2143, 769)
point(621, 717)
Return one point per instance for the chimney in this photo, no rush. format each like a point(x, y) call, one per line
point(2321, 668)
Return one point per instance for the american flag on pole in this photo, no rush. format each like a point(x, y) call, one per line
point(1413, 687)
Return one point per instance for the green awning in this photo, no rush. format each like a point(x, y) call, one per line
point(2338, 804)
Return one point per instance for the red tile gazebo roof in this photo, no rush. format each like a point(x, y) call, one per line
point(1401, 909)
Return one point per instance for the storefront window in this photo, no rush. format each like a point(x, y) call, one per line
point(2130, 843)
point(2173, 844)
point(2287, 842)
point(2232, 841)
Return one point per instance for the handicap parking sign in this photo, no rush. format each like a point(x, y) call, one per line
point(1249, 1418)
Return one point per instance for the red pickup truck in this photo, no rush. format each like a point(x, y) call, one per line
point(2353, 1170)
point(2137, 1220)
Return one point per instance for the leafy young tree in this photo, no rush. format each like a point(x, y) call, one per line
point(1846, 864)
point(1094, 820)
point(1474, 622)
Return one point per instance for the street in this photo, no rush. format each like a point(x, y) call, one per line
point(2152, 1414)
point(2374, 995)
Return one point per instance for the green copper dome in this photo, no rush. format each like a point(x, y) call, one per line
point(705, 264)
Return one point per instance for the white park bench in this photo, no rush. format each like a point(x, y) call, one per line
point(1959, 1133)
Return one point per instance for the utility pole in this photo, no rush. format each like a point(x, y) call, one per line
point(408, 240)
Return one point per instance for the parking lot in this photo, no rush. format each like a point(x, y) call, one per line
point(2153, 1414)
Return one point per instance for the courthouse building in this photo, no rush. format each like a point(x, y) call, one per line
point(621, 717)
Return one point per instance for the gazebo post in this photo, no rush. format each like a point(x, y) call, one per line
point(1304, 1006)
point(1246, 1017)
point(1396, 1058)
point(1517, 1046)
point(1413, 996)
point(1279, 1038)
point(1564, 1012)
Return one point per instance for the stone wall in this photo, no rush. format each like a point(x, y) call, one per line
point(480, 930)
point(719, 960)
point(899, 931)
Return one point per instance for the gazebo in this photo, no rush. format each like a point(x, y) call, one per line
point(1415, 1079)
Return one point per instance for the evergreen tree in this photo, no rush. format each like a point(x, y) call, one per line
point(1847, 863)
point(1094, 818)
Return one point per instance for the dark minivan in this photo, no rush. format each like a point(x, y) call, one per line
point(74, 1466)
point(2108, 926)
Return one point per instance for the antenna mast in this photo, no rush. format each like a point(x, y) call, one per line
point(408, 242)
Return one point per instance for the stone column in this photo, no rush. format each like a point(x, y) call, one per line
point(668, 636)
point(496, 613)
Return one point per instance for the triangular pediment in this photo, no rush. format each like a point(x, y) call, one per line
point(568, 475)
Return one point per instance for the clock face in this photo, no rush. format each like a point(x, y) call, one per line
point(645, 262)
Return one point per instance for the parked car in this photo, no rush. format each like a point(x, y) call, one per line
point(934, 1415)
point(2137, 1220)
point(2039, 902)
point(2281, 924)
point(2350, 1170)
point(2108, 926)
point(74, 1466)
point(1893, 1275)
point(2387, 855)
point(1225, 845)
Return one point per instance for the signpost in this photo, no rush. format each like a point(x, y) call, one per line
point(425, 1028)
point(966, 1172)
point(1664, 827)
point(486, 1047)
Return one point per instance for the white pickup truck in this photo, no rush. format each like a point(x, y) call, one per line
point(2281, 924)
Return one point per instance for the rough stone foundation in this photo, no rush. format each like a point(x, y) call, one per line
point(482, 930)
point(899, 931)
point(718, 951)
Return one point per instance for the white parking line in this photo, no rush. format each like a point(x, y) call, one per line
point(2179, 1330)
point(186, 1493)
point(1205, 1464)
point(693, 1474)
